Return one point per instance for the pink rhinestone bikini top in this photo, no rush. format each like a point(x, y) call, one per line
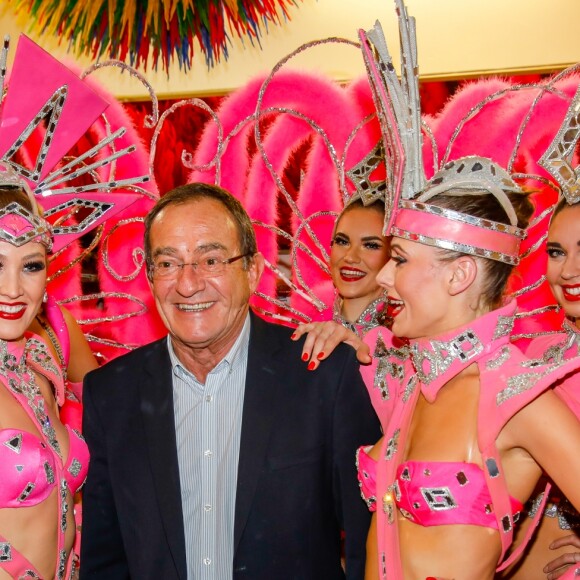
point(435, 493)
point(28, 467)
point(32, 465)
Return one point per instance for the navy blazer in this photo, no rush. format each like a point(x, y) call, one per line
point(297, 485)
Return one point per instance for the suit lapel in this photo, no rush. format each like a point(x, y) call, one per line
point(259, 400)
point(159, 423)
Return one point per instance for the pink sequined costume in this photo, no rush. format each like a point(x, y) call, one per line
point(71, 409)
point(32, 465)
point(509, 381)
point(557, 348)
point(375, 314)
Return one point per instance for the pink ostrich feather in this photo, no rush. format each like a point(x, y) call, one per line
point(256, 173)
point(514, 130)
point(123, 316)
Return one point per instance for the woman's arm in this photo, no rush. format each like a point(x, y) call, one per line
point(550, 433)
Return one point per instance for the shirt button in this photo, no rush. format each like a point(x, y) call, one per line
point(208, 399)
point(207, 507)
point(208, 453)
point(207, 561)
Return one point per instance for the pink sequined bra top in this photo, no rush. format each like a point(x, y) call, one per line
point(32, 465)
point(435, 493)
point(28, 467)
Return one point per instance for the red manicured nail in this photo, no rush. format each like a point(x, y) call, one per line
point(304, 356)
point(293, 336)
point(311, 365)
point(320, 355)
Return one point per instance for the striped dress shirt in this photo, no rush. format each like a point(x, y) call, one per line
point(208, 424)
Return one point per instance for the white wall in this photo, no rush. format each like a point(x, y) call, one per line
point(457, 38)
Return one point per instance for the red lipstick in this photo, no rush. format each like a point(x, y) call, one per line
point(569, 296)
point(394, 306)
point(13, 310)
point(351, 274)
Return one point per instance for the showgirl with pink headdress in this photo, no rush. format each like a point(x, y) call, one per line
point(51, 195)
point(468, 419)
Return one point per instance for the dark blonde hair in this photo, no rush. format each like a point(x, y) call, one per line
point(9, 195)
point(377, 206)
point(486, 206)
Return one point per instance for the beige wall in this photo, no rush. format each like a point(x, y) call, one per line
point(457, 38)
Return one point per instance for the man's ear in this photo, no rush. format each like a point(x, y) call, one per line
point(463, 272)
point(255, 270)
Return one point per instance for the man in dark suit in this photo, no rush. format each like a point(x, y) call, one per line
point(215, 453)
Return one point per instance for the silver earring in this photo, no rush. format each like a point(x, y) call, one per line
point(45, 297)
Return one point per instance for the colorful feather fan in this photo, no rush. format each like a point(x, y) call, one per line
point(134, 30)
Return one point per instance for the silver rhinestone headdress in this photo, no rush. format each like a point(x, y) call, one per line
point(398, 106)
point(18, 226)
point(368, 191)
point(399, 113)
point(557, 159)
point(49, 177)
point(469, 176)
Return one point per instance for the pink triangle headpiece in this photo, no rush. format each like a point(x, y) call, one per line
point(18, 225)
point(56, 99)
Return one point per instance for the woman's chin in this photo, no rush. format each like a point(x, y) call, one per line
point(398, 329)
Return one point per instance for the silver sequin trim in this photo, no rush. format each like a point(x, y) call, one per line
point(49, 472)
point(518, 384)
point(505, 325)
point(388, 366)
point(410, 388)
point(392, 445)
point(15, 443)
point(75, 467)
point(438, 498)
point(28, 489)
point(64, 505)
point(5, 552)
point(500, 359)
point(463, 347)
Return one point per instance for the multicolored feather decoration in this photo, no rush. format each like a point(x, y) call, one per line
point(138, 30)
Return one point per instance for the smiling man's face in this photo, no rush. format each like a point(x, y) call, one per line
point(201, 311)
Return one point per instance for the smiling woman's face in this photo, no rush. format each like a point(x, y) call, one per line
point(415, 280)
point(22, 285)
point(563, 270)
point(358, 253)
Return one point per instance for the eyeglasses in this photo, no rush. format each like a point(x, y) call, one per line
point(164, 269)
